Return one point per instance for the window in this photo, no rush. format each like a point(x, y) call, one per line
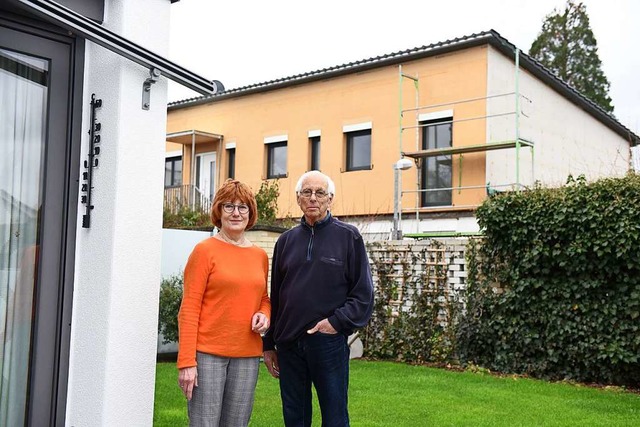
point(231, 163)
point(277, 160)
point(173, 171)
point(206, 175)
point(359, 150)
point(436, 171)
point(314, 149)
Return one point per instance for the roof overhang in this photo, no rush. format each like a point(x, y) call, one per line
point(188, 137)
point(85, 27)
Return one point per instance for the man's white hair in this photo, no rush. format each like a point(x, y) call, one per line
point(331, 187)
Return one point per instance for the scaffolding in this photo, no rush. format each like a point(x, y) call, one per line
point(420, 154)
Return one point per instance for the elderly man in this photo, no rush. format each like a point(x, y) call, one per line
point(321, 290)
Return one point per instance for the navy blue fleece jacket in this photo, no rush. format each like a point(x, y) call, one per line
point(318, 272)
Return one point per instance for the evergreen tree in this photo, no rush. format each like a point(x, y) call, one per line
point(566, 45)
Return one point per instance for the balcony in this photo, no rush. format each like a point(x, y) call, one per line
point(185, 196)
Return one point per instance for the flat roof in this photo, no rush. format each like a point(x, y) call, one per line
point(187, 137)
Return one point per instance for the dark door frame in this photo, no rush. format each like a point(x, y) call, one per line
point(51, 330)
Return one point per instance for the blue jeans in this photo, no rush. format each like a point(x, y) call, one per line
point(323, 360)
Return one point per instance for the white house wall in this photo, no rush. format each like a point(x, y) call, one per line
point(176, 247)
point(117, 276)
point(567, 139)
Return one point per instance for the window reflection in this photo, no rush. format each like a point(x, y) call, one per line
point(436, 171)
point(23, 114)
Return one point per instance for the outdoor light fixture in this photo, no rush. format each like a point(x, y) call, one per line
point(401, 165)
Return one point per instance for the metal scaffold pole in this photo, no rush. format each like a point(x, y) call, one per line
point(517, 76)
point(400, 114)
point(402, 164)
point(435, 116)
point(417, 87)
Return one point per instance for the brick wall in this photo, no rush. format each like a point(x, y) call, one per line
point(420, 265)
point(266, 239)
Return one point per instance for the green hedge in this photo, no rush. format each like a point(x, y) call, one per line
point(554, 285)
point(170, 300)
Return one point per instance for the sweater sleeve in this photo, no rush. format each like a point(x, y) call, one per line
point(267, 340)
point(356, 311)
point(196, 274)
point(265, 303)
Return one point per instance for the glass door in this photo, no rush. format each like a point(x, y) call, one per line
point(36, 72)
point(23, 99)
point(206, 175)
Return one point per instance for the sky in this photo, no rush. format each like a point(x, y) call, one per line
point(242, 42)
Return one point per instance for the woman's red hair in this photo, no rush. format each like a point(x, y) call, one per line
point(231, 191)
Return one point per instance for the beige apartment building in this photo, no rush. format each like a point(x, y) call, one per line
point(425, 134)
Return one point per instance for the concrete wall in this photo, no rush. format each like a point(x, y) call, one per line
point(117, 270)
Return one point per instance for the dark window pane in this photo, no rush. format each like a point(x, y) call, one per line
point(315, 153)
point(173, 171)
point(436, 171)
point(231, 163)
point(197, 171)
point(443, 136)
point(167, 174)
point(277, 160)
point(359, 150)
point(177, 172)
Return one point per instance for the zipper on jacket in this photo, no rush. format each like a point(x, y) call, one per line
point(310, 246)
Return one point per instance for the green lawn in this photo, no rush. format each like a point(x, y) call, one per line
point(393, 394)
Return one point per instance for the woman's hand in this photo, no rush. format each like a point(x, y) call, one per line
point(271, 361)
point(187, 380)
point(259, 323)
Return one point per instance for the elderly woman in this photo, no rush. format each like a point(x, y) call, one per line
point(225, 308)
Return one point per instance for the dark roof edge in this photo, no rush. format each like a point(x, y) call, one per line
point(491, 37)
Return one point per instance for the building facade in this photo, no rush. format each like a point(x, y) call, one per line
point(471, 116)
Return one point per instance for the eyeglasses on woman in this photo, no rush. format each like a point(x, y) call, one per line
point(230, 207)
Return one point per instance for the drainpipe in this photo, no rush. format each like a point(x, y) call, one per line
point(193, 170)
point(221, 159)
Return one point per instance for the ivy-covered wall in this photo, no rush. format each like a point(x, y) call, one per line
point(419, 289)
point(557, 291)
point(551, 290)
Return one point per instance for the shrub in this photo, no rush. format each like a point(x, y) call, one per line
point(267, 202)
point(186, 217)
point(170, 299)
point(554, 290)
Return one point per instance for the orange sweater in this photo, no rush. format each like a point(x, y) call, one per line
point(224, 286)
